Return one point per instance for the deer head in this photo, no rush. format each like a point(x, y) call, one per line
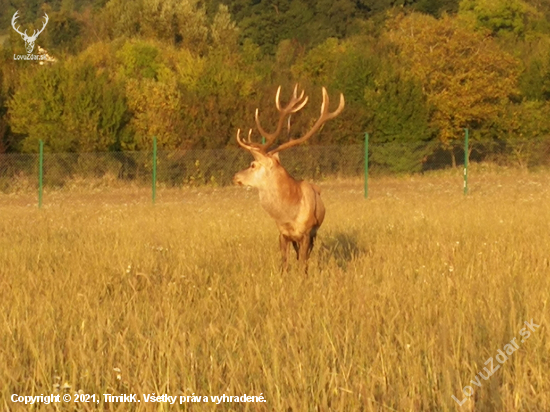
point(261, 171)
point(29, 40)
point(295, 206)
point(266, 160)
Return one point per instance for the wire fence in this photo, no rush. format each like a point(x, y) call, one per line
point(174, 168)
point(21, 172)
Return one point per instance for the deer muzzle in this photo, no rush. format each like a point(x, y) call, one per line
point(237, 179)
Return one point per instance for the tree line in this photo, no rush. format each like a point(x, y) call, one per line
point(190, 72)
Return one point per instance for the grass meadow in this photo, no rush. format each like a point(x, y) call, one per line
point(409, 293)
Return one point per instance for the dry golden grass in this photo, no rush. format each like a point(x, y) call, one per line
point(409, 293)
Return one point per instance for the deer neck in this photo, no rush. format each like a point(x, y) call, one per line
point(280, 194)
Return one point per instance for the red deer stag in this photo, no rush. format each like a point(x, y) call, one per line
point(295, 205)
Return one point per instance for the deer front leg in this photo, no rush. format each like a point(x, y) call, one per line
point(304, 247)
point(284, 244)
point(296, 249)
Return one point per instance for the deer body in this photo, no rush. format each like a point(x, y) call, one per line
point(296, 206)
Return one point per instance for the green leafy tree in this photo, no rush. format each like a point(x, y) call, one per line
point(71, 107)
point(177, 22)
point(522, 136)
point(95, 108)
point(155, 108)
point(401, 133)
point(436, 7)
point(348, 66)
point(139, 59)
point(36, 110)
point(149, 72)
point(63, 33)
point(226, 90)
point(29, 10)
point(223, 30)
point(499, 16)
point(184, 99)
point(321, 62)
point(307, 21)
point(535, 78)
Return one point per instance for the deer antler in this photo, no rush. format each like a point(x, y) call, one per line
point(34, 34)
point(15, 16)
point(325, 116)
point(296, 103)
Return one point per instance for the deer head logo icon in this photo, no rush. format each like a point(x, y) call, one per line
point(29, 40)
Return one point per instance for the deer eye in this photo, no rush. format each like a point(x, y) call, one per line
point(252, 165)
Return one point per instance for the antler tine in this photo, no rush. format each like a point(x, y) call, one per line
point(325, 116)
point(277, 102)
point(259, 126)
point(301, 105)
point(240, 141)
point(239, 137)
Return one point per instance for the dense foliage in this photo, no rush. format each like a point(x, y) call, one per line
point(415, 73)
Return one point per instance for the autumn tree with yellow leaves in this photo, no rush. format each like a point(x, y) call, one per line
point(464, 73)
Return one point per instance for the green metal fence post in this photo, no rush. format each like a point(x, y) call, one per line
point(154, 168)
point(466, 155)
point(40, 172)
point(366, 165)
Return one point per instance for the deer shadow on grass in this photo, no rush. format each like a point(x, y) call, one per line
point(339, 247)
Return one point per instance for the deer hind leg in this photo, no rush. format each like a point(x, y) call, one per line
point(311, 243)
point(312, 237)
point(284, 244)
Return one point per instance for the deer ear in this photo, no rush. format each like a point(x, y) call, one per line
point(276, 157)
